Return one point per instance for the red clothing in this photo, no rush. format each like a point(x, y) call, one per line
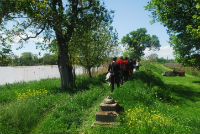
point(125, 62)
point(120, 61)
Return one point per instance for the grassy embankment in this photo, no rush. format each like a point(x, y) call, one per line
point(42, 107)
point(152, 103)
point(157, 104)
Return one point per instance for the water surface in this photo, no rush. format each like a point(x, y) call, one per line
point(29, 73)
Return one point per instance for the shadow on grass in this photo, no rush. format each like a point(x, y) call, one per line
point(196, 82)
point(184, 93)
point(149, 79)
point(165, 91)
point(85, 83)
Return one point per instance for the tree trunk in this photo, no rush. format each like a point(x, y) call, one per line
point(89, 71)
point(71, 73)
point(64, 65)
point(1, 60)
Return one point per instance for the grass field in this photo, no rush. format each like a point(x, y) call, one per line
point(153, 104)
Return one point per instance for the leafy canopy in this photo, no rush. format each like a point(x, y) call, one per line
point(96, 46)
point(182, 18)
point(30, 18)
point(137, 41)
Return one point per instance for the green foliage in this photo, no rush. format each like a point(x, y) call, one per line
point(186, 50)
point(138, 41)
point(5, 53)
point(182, 20)
point(94, 47)
point(49, 59)
point(28, 59)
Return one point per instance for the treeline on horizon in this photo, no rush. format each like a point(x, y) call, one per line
point(28, 59)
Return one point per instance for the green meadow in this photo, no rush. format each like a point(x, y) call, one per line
point(153, 104)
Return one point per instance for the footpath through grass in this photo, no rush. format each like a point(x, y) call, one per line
point(153, 104)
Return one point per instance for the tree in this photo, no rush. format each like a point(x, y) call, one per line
point(186, 50)
point(49, 59)
point(15, 60)
point(153, 57)
point(137, 41)
point(54, 18)
point(27, 59)
point(182, 20)
point(95, 46)
point(5, 52)
point(127, 54)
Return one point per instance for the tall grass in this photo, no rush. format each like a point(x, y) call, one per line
point(21, 116)
point(8, 92)
point(53, 111)
point(69, 115)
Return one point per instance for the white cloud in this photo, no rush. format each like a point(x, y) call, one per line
point(165, 52)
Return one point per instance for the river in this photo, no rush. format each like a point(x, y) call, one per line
point(29, 73)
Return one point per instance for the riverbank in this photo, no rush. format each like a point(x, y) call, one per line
point(153, 104)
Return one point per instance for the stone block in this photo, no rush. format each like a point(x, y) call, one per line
point(109, 107)
point(108, 101)
point(105, 124)
point(106, 116)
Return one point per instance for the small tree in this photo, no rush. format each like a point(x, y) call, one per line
point(95, 46)
point(5, 52)
point(27, 59)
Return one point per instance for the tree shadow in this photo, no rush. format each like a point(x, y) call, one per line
point(184, 92)
point(149, 79)
point(196, 82)
point(165, 91)
point(85, 83)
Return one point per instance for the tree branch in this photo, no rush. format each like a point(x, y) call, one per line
point(36, 35)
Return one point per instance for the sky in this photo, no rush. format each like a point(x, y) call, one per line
point(129, 16)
